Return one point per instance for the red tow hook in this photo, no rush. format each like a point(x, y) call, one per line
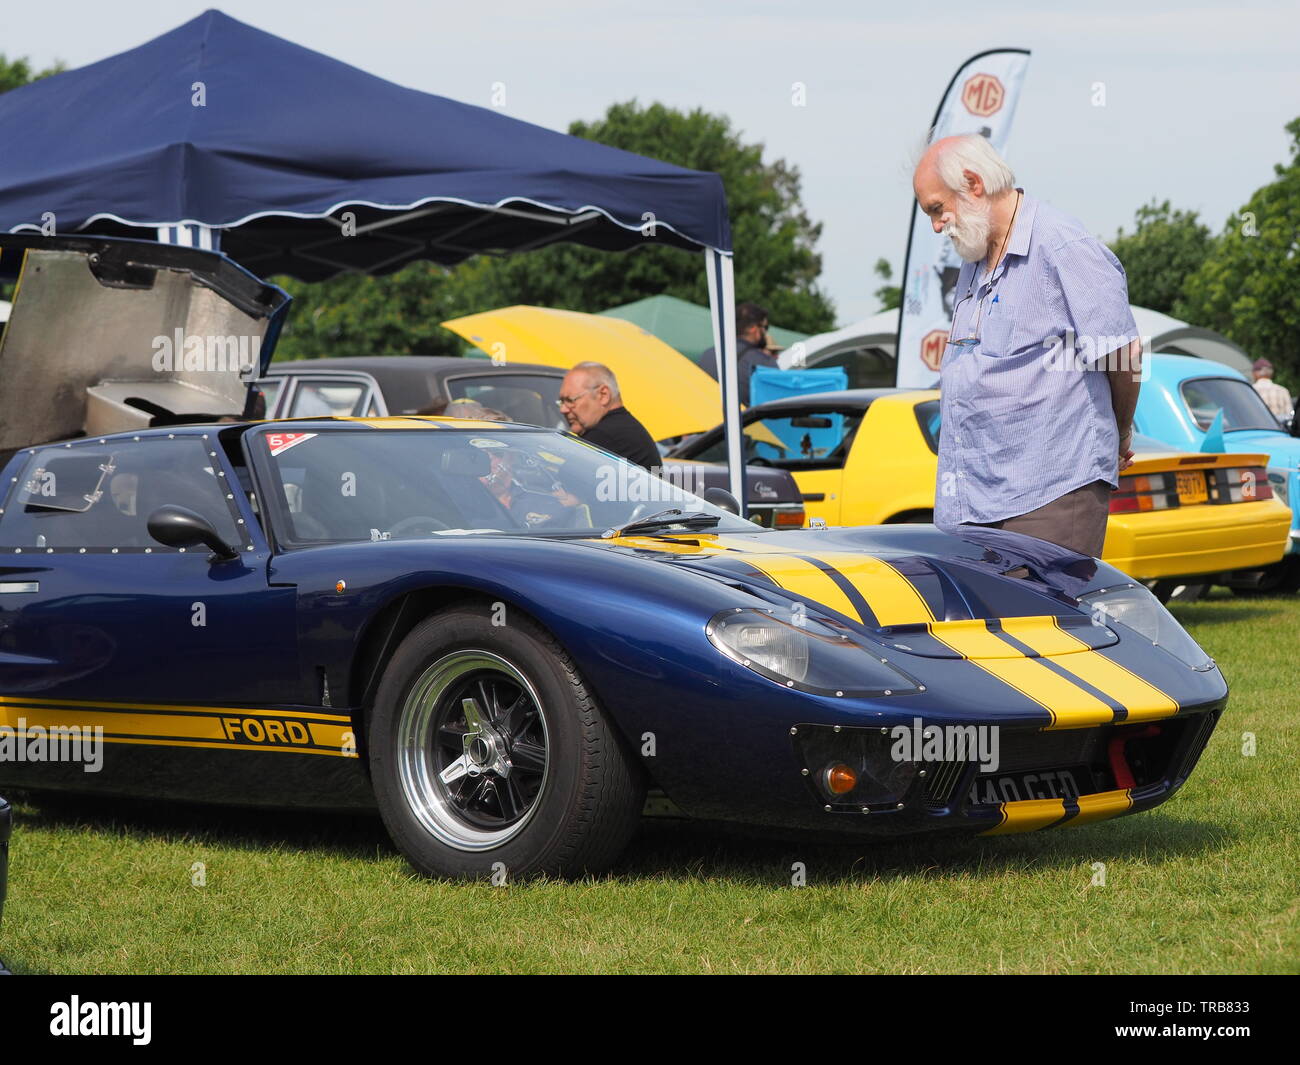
point(1115, 752)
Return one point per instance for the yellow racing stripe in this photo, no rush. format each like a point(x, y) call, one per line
point(225, 728)
point(1103, 805)
point(1068, 704)
point(806, 580)
point(892, 597)
point(1145, 702)
point(1027, 815)
point(243, 711)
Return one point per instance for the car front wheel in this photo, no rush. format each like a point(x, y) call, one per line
point(490, 758)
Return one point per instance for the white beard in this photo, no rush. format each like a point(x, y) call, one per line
point(970, 232)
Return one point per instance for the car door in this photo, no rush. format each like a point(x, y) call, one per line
point(93, 611)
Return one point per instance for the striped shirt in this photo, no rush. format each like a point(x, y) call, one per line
point(1026, 412)
point(1275, 397)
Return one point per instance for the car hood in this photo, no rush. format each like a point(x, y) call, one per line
point(668, 394)
point(896, 579)
point(112, 336)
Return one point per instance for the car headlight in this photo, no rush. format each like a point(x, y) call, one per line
point(1136, 608)
point(792, 649)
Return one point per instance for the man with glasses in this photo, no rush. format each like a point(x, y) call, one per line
point(1040, 377)
point(591, 404)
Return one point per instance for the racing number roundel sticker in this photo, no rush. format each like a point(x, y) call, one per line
point(982, 94)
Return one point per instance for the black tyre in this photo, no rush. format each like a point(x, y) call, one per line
point(1176, 591)
point(1281, 578)
point(490, 758)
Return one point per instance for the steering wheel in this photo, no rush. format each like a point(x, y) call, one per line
point(418, 523)
point(759, 461)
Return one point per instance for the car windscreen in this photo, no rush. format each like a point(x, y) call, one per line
point(1242, 406)
point(334, 485)
point(809, 439)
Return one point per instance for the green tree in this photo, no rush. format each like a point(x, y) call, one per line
point(1165, 248)
point(777, 263)
point(890, 296)
point(14, 73)
point(1249, 286)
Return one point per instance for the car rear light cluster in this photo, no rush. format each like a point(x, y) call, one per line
point(1150, 491)
point(1243, 484)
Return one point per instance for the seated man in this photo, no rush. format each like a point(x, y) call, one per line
point(530, 506)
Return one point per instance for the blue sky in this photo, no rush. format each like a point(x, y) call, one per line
point(1196, 94)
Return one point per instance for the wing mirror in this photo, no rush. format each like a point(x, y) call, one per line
point(175, 526)
point(722, 499)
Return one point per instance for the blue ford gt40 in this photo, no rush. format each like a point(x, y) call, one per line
point(502, 637)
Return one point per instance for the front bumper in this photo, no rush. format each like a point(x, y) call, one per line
point(1188, 541)
point(1128, 767)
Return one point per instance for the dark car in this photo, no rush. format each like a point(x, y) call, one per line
point(504, 639)
point(379, 385)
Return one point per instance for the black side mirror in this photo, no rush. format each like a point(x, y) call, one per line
point(175, 526)
point(722, 499)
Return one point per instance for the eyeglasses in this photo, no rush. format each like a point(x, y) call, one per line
point(569, 401)
point(974, 337)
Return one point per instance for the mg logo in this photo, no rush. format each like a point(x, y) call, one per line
point(932, 346)
point(982, 94)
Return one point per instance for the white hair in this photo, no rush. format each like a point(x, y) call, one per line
point(600, 374)
point(974, 153)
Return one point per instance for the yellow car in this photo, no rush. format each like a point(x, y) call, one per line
point(870, 457)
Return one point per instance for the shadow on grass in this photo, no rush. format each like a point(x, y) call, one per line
point(345, 835)
point(1227, 611)
point(675, 851)
point(663, 850)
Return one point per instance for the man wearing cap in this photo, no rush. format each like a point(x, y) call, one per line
point(1274, 395)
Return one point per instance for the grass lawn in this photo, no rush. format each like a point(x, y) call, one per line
point(1207, 883)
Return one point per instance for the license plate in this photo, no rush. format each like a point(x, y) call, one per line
point(1067, 783)
point(1191, 487)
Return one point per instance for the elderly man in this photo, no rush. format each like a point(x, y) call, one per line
point(591, 404)
point(1274, 395)
point(1041, 374)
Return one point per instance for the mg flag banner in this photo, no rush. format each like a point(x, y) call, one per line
point(981, 98)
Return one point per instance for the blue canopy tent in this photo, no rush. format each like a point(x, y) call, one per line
point(220, 135)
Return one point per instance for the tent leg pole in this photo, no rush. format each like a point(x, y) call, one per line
point(722, 307)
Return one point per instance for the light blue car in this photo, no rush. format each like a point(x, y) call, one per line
point(1199, 405)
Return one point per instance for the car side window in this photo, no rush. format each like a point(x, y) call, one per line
point(328, 399)
point(526, 398)
point(98, 495)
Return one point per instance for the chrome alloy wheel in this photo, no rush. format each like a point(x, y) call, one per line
point(472, 750)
